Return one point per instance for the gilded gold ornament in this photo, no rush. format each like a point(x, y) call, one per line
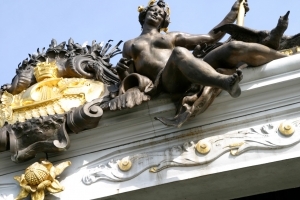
point(287, 52)
point(153, 170)
point(235, 145)
point(151, 2)
point(45, 70)
point(291, 51)
point(168, 10)
point(286, 128)
point(141, 8)
point(203, 147)
point(36, 173)
point(241, 14)
point(51, 95)
point(38, 177)
point(125, 164)
point(164, 30)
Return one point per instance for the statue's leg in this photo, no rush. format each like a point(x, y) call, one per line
point(183, 68)
point(231, 54)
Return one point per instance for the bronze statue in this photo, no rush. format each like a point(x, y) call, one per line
point(63, 90)
point(167, 61)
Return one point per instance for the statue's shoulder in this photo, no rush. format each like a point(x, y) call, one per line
point(127, 47)
point(128, 43)
point(173, 33)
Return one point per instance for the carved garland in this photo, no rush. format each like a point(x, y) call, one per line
point(270, 136)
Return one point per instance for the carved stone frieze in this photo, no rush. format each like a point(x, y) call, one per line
point(264, 137)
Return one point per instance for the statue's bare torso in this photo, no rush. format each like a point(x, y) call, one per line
point(150, 51)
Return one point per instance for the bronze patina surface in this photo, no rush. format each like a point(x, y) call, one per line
point(65, 88)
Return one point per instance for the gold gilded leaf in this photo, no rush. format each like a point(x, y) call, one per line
point(22, 195)
point(38, 195)
point(61, 167)
point(55, 187)
point(43, 185)
point(18, 178)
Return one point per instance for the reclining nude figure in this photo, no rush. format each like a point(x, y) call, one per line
point(167, 59)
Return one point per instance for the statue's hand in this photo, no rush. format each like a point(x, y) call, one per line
point(236, 6)
point(122, 67)
point(123, 64)
point(131, 98)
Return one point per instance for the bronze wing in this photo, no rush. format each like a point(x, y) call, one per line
point(242, 33)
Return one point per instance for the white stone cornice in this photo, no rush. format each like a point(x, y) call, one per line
point(270, 94)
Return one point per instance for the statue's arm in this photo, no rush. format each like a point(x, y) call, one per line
point(229, 18)
point(123, 66)
point(190, 41)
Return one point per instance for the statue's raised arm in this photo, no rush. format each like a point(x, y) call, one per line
point(231, 17)
point(190, 41)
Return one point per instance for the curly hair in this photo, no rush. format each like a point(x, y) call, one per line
point(165, 22)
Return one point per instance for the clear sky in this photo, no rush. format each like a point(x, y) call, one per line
point(30, 24)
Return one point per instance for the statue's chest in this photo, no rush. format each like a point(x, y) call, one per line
point(146, 44)
point(162, 41)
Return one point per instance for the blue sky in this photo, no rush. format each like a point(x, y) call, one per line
point(30, 24)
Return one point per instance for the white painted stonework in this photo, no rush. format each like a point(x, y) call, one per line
point(248, 154)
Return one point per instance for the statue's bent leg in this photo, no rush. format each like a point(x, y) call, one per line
point(231, 54)
point(183, 68)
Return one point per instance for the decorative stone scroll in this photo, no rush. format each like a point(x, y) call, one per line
point(54, 94)
point(264, 137)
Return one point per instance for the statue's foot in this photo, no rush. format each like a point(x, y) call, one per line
point(234, 88)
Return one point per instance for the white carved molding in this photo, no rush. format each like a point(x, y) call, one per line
point(270, 94)
point(265, 137)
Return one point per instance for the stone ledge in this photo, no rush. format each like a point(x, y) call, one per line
point(270, 93)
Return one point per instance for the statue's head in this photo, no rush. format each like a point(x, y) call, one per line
point(161, 5)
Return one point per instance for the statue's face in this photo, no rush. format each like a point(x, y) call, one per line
point(155, 15)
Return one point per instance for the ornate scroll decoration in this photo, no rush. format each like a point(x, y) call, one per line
point(43, 134)
point(85, 117)
point(39, 177)
point(58, 80)
point(192, 153)
point(54, 92)
point(49, 134)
